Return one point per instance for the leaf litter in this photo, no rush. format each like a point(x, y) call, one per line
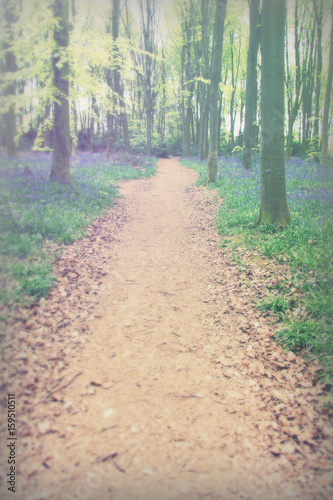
point(227, 403)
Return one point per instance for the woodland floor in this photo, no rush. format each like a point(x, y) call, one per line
point(148, 373)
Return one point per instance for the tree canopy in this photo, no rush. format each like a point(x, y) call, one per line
point(140, 76)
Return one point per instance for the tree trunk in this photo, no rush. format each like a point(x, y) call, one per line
point(148, 63)
point(319, 22)
point(10, 90)
point(240, 136)
point(47, 127)
point(232, 99)
point(204, 93)
point(294, 95)
point(308, 93)
point(214, 89)
point(123, 117)
point(189, 88)
point(251, 87)
point(324, 147)
point(61, 130)
point(273, 199)
point(117, 91)
point(92, 123)
point(74, 137)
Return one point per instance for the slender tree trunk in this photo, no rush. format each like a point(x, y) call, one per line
point(182, 86)
point(219, 120)
point(204, 93)
point(123, 118)
point(214, 89)
point(74, 116)
point(117, 91)
point(294, 92)
point(187, 133)
point(189, 88)
point(92, 123)
point(149, 130)
point(240, 137)
point(319, 22)
point(251, 87)
point(47, 127)
point(10, 90)
point(232, 99)
point(324, 147)
point(308, 93)
point(273, 199)
point(201, 122)
point(149, 64)
point(74, 138)
point(61, 130)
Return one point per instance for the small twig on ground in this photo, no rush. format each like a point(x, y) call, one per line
point(108, 428)
point(52, 392)
point(112, 455)
point(187, 397)
point(118, 466)
point(166, 293)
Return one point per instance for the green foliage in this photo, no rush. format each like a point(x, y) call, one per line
point(37, 217)
point(277, 305)
point(160, 148)
point(175, 145)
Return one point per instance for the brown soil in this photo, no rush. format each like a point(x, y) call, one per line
point(149, 374)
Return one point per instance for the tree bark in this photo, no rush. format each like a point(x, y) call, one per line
point(204, 93)
point(10, 89)
point(74, 137)
point(251, 87)
point(61, 129)
point(214, 89)
point(232, 99)
point(308, 89)
point(149, 45)
point(123, 117)
point(189, 88)
point(273, 199)
point(47, 127)
point(324, 147)
point(319, 22)
point(92, 122)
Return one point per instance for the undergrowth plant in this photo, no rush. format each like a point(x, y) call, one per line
point(37, 216)
point(301, 300)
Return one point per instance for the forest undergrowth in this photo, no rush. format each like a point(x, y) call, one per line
point(299, 297)
point(37, 218)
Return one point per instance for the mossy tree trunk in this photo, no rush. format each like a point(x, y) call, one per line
point(273, 199)
point(61, 129)
point(214, 89)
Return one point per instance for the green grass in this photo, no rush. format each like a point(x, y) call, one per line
point(37, 218)
point(300, 299)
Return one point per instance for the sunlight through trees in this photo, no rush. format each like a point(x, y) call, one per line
point(145, 77)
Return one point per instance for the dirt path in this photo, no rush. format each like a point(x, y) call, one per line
point(175, 389)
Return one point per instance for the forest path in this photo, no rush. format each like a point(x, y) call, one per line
point(180, 392)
